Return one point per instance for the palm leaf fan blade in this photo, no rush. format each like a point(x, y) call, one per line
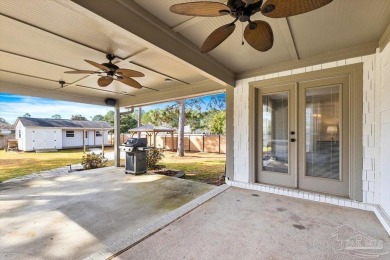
point(260, 38)
point(285, 8)
point(201, 8)
point(130, 82)
point(217, 37)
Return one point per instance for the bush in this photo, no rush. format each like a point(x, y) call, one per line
point(153, 157)
point(93, 161)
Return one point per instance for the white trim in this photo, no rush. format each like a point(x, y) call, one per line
point(383, 217)
point(296, 193)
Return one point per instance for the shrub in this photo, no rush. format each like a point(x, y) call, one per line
point(93, 161)
point(153, 157)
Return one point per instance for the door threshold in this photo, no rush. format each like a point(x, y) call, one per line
point(303, 190)
point(301, 194)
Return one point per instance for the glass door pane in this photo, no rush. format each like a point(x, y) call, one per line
point(322, 132)
point(275, 132)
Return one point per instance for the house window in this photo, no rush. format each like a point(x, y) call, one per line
point(86, 134)
point(98, 133)
point(20, 133)
point(69, 133)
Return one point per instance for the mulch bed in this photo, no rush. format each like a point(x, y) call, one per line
point(167, 172)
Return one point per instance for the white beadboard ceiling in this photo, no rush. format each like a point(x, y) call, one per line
point(41, 39)
point(339, 25)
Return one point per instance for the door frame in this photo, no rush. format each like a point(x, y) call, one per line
point(338, 186)
point(355, 159)
point(282, 179)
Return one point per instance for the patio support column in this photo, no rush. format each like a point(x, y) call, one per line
point(84, 139)
point(103, 142)
point(173, 142)
point(229, 133)
point(117, 136)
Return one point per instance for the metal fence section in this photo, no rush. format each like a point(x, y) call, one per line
point(192, 142)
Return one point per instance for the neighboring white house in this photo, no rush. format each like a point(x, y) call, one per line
point(42, 133)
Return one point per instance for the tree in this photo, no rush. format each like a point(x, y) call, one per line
point(98, 118)
point(194, 118)
point(152, 117)
point(56, 116)
point(109, 117)
point(79, 118)
point(3, 121)
point(218, 125)
point(127, 122)
point(27, 115)
point(172, 115)
point(182, 121)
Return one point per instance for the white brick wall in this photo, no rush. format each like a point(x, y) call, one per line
point(241, 126)
point(383, 179)
point(371, 170)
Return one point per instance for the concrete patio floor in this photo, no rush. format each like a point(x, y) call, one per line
point(242, 224)
point(73, 216)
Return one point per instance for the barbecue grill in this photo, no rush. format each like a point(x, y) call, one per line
point(136, 149)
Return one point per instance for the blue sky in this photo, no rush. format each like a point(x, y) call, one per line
point(13, 106)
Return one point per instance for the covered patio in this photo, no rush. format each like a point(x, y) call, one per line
point(308, 119)
point(88, 213)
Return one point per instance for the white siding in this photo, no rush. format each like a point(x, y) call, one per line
point(76, 141)
point(98, 139)
point(22, 138)
point(27, 139)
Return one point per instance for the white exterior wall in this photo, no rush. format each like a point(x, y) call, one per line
point(384, 116)
point(76, 141)
point(28, 137)
point(98, 139)
point(21, 139)
point(371, 171)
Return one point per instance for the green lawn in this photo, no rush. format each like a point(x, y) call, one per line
point(15, 164)
point(204, 167)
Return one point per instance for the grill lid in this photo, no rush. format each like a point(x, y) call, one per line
point(136, 142)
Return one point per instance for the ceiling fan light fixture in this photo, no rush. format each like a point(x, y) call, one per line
point(245, 15)
point(252, 26)
point(259, 33)
point(62, 83)
point(269, 8)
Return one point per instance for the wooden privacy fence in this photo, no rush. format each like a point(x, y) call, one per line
point(4, 140)
point(192, 142)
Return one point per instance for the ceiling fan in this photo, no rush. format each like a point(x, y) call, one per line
point(111, 72)
point(257, 33)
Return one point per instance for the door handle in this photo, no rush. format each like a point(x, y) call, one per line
point(292, 140)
